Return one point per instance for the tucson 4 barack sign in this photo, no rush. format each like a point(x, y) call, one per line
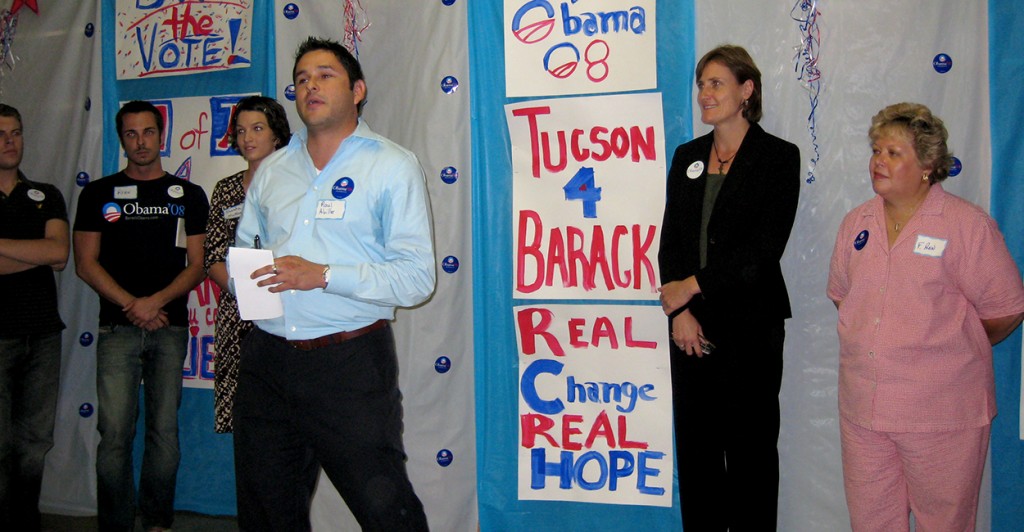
point(588, 186)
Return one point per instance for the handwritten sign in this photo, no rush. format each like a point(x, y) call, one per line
point(200, 362)
point(175, 37)
point(579, 46)
point(588, 189)
point(595, 404)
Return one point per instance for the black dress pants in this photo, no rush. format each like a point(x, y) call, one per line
point(727, 428)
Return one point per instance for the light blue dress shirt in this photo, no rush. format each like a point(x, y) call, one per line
point(366, 214)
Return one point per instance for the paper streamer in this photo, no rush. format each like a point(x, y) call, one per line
point(355, 23)
point(806, 13)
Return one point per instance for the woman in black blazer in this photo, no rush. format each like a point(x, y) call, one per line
point(731, 200)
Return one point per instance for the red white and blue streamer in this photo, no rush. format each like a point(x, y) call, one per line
point(806, 13)
point(355, 23)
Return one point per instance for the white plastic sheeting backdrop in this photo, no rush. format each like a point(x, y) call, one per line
point(872, 54)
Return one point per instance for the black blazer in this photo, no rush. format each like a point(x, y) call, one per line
point(747, 233)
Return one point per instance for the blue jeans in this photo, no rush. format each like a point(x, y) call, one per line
point(126, 355)
point(29, 382)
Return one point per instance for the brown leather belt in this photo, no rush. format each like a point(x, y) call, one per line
point(332, 339)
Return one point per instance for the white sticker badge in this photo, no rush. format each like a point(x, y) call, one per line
point(129, 192)
point(695, 170)
point(175, 191)
point(930, 246)
point(233, 212)
point(36, 194)
point(330, 210)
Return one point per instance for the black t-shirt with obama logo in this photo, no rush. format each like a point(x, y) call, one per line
point(144, 225)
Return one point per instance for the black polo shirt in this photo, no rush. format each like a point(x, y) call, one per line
point(28, 299)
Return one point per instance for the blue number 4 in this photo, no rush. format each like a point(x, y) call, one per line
point(581, 187)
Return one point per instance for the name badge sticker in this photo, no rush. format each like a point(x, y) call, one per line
point(330, 210)
point(930, 246)
point(129, 192)
point(233, 213)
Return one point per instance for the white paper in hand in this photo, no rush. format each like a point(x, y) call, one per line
point(254, 302)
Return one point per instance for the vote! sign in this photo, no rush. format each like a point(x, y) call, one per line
point(174, 37)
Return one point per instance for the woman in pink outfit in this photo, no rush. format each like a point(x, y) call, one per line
point(925, 286)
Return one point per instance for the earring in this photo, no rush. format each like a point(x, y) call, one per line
point(924, 177)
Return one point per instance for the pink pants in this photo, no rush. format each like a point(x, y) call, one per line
point(936, 475)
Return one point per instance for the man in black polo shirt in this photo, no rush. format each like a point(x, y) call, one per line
point(33, 243)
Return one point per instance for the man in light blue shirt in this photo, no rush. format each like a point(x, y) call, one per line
point(346, 213)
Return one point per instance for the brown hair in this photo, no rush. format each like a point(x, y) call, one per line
point(739, 62)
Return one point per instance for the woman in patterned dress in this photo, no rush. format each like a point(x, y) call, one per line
point(259, 126)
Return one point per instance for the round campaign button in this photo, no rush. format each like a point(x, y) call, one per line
point(695, 170)
point(956, 167)
point(450, 264)
point(175, 191)
point(85, 339)
point(942, 63)
point(89, 29)
point(86, 410)
point(444, 458)
point(449, 84)
point(36, 195)
point(343, 188)
point(290, 11)
point(442, 364)
point(289, 92)
point(449, 174)
point(861, 240)
point(82, 179)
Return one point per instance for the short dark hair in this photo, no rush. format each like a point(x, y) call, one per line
point(139, 106)
point(347, 60)
point(739, 62)
point(9, 111)
point(277, 119)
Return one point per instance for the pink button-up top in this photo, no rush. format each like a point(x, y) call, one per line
point(913, 355)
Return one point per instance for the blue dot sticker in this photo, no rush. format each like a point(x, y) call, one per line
point(447, 2)
point(442, 364)
point(343, 188)
point(956, 167)
point(86, 410)
point(289, 93)
point(89, 29)
point(449, 84)
point(450, 264)
point(290, 11)
point(861, 240)
point(942, 63)
point(85, 339)
point(444, 458)
point(82, 179)
point(449, 174)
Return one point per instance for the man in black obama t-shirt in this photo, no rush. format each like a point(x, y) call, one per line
point(138, 242)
